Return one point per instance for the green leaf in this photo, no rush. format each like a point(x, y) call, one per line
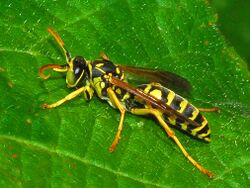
point(68, 146)
point(234, 23)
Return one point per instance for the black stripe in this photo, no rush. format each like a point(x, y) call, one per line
point(142, 87)
point(190, 127)
point(87, 94)
point(166, 116)
point(180, 120)
point(203, 130)
point(152, 88)
point(199, 119)
point(188, 111)
point(109, 67)
point(164, 96)
point(175, 104)
point(96, 73)
point(123, 93)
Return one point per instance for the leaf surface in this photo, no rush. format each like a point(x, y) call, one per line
point(68, 146)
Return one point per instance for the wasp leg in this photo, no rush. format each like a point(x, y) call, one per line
point(104, 56)
point(67, 98)
point(122, 110)
point(214, 109)
point(171, 134)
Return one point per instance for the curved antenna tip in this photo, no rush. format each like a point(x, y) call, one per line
point(42, 69)
point(44, 76)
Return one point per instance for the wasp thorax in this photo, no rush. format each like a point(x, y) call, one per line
point(77, 67)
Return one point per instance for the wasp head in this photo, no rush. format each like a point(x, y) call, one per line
point(77, 71)
point(76, 67)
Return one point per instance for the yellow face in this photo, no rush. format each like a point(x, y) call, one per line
point(76, 70)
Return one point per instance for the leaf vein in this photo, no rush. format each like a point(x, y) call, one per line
point(58, 152)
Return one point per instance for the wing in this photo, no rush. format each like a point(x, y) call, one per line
point(166, 78)
point(151, 100)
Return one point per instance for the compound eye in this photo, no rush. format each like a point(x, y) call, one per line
point(79, 64)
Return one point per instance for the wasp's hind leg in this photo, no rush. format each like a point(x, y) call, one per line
point(214, 109)
point(115, 101)
point(67, 98)
point(171, 134)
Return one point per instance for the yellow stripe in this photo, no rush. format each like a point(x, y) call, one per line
point(118, 91)
point(146, 90)
point(194, 114)
point(203, 124)
point(122, 76)
point(102, 84)
point(172, 120)
point(183, 106)
point(97, 87)
point(170, 97)
point(184, 126)
point(204, 134)
point(102, 71)
point(126, 96)
point(99, 64)
point(156, 93)
point(117, 70)
point(207, 139)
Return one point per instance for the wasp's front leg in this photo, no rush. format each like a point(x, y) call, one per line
point(67, 98)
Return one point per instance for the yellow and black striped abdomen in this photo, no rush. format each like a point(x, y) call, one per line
point(199, 129)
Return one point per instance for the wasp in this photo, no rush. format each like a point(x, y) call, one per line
point(108, 81)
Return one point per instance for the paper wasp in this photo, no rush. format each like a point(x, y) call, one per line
point(108, 81)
